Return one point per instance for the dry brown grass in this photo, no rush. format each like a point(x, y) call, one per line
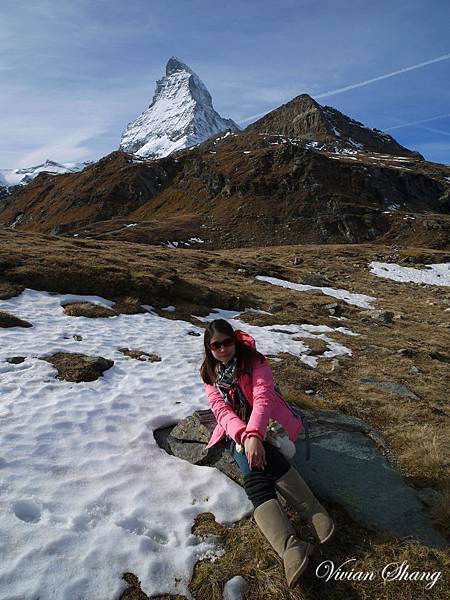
point(423, 449)
point(248, 554)
point(294, 396)
point(8, 289)
point(129, 305)
point(440, 510)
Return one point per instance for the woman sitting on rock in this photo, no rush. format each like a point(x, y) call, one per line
point(240, 388)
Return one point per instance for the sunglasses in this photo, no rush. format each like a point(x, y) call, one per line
point(226, 343)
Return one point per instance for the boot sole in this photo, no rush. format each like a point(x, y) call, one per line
point(302, 567)
point(329, 536)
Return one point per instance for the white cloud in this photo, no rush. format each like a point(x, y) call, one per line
point(68, 147)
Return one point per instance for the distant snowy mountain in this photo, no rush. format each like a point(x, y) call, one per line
point(22, 176)
point(181, 115)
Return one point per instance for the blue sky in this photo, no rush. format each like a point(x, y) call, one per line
point(75, 72)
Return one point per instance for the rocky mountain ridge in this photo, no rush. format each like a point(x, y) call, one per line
point(304, 119)
point(257, 186)
point(244, 187)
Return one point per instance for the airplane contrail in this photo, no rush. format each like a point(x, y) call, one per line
point(418, 122)
point(434, 130)
point(380, 77)
point(366, 82)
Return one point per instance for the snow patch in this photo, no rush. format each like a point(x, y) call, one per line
point(435, 274)
point(360, 300)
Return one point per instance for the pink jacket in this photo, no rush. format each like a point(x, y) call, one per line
point(260, 392)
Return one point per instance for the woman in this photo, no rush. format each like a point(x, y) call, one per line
point(240, 388)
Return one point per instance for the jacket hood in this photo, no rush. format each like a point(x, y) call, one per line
point(245, 338)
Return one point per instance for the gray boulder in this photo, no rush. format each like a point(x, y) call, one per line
point(348, 466)
point(188, 440)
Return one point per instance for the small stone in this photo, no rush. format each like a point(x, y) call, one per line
point(276, 307)
point(15, 360)
point(140, 355)
point(316, 280)
point(399, 317)
point(316, 346)
point(408, 352)
point(440, 356)
point(194, 333)
point(77, 337)
point(382, 316)
point(235, 588)
point(334, 309)
point(335, 365)
point(394, 387)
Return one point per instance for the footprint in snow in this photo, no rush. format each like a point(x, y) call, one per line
point(27, 510)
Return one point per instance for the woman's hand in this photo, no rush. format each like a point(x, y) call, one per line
point(255, 453)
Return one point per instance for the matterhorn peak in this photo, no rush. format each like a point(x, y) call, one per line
point(174, 65)
point(180, 115)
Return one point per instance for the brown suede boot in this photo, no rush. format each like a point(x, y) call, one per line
point(296, 491)
point(274, 524)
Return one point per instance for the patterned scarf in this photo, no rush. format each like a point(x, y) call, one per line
point(230, 390)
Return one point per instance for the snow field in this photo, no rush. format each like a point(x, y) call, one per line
point(86, 492)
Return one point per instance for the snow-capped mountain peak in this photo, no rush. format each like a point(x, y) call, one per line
point(180, 115)
point(23, 175)
point(174, 65)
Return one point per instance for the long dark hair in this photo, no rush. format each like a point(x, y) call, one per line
point(246, 355)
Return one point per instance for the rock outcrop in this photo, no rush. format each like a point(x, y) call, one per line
point(89, 310)
point(78, 367)
point(8, 320)
point(305, 119)
point(241, 190)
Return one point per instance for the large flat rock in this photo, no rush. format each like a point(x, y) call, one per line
point(347, 466)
